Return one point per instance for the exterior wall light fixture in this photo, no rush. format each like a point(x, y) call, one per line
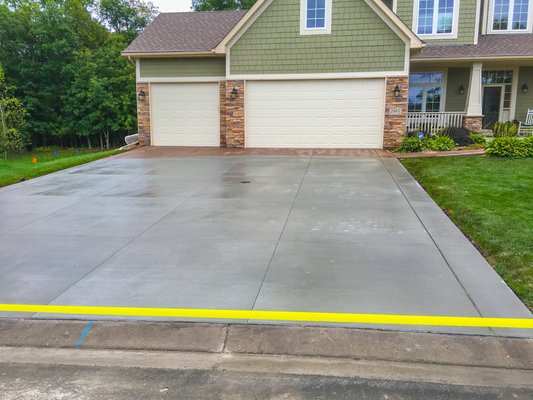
point(141, 95)
point(397, 91)
point(234, 92)
point(524, 88)
point(461, 90)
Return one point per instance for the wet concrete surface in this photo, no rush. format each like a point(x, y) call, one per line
point(296, 233)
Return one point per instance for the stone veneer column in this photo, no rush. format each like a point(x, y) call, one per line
point(473, 123)
point(222, 114)
point(395, 112)
point(234, 110)
point(143, 115)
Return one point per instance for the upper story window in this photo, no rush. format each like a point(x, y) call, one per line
point(315, 17)
point(316, 14)
point(437, 18)
point(510, 15)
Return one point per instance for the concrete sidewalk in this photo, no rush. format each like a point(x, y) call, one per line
point(351, 234)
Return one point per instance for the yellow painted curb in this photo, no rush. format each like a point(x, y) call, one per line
point(257, 315)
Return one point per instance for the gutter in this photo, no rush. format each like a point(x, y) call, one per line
point(170, 54)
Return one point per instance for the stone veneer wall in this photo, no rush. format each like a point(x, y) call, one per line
point(143, 115)
point(234, 112)
point(473, 123)
point(222, 103)
point(395, 112)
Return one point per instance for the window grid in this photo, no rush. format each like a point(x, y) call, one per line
point(445, 16)
point(510, 15)
point(426, 9)
point(316, 14)
point(520, 14)
point(435, 17)
point(496, 77)
point(425, 92)
point(507, 97)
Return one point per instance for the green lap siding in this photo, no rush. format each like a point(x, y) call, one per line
point(360, 42)
point(524, 100)
point(404, 10)
point(182, 67)
point(467, 21)
point(457, 77)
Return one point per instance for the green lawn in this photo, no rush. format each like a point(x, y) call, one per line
point(19, 168)
point(491, 200)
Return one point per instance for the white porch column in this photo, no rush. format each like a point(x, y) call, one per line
point(474, 107)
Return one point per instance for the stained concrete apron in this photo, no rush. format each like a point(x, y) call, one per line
point(300, 233)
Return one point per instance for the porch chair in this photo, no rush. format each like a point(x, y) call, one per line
point(526, 128)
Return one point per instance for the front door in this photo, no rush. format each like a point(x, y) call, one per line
point(491, 105)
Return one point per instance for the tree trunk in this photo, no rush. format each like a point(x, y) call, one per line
point(107, 139)
point(101, 141)
point(89, 142)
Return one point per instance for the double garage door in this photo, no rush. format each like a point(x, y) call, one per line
point(297, 114)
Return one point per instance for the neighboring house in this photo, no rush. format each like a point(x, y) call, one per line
point(331, 73)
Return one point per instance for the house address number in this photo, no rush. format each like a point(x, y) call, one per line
point(394, 111)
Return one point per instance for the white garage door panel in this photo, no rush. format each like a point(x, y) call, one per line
point(334, 113)
point(185, 114)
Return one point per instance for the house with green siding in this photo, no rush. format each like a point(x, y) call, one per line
point(332, 73)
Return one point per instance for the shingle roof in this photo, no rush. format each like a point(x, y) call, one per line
point(512, 45)
point(185, 32)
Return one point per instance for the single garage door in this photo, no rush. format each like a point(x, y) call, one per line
point(185, 114)
point(320, 114)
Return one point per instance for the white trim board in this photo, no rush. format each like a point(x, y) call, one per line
point(318, 76)
point(191, 79)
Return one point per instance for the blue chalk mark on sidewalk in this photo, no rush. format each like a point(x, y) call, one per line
point(84, 334)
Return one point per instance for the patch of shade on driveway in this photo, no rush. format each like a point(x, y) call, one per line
point(294, 233)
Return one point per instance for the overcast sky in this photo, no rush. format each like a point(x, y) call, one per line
point(173, 5)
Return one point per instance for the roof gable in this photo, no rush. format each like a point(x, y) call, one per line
point(377, 5)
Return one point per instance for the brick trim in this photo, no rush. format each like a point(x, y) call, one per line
point(143, 115)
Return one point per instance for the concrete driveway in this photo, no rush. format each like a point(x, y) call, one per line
point(297, 233)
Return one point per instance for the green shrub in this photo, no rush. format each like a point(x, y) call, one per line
point(476, 138)
point(528, 144)
point(411, 145)
point(439, 143)
point(512, 147)
point(505, 129)
point(11, 142)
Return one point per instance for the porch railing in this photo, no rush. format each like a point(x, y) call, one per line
point(431, 121)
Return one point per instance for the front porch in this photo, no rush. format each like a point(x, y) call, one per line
point(473, 95)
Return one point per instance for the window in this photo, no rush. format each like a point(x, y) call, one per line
point(315, 17)
point(425, 90)
point(437, 17)
point(510, 15)
point(496, 77)
point(316, 14)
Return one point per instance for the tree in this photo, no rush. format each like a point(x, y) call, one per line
point(12, 118)
point(128, 17)
point(218, 5)
point(101, 102)
point(47, 47)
